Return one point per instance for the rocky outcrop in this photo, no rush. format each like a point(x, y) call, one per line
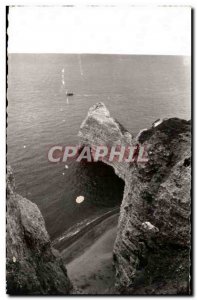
point(33, 267)
point(99, 129)
point(152, 248)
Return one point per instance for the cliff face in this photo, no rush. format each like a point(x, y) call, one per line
point(100, 129)
point(152, 248)
point(33, 267)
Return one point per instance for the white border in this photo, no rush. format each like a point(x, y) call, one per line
point(2, 153)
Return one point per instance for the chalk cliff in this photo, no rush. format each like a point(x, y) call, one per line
point(152, 248)
point(33, 267)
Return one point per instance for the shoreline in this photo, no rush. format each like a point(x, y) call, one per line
point(83, 243)
point(79, 230)
point(89, 261)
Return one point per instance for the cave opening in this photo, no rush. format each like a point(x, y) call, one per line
point(101, 184)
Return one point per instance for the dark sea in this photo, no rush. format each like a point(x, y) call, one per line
point(136, 89)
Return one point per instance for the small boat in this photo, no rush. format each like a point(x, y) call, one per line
point(69, 94)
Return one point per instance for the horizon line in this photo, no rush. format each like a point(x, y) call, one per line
point(87, 53)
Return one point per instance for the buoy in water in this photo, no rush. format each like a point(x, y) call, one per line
point(80, 199)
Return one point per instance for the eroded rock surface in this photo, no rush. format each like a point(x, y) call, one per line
point(33, 267)
point(152, 248)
